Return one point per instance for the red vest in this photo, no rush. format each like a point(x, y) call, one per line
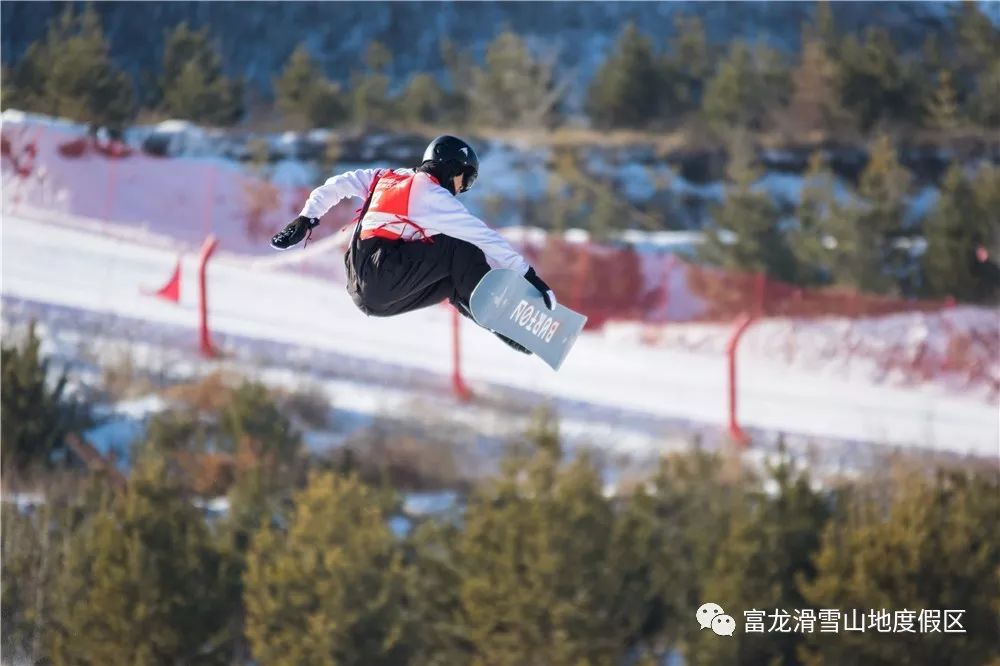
point(388, 211)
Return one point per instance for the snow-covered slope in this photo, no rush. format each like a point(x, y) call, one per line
point(56, 265)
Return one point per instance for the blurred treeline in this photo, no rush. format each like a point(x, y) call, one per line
point(837, 84)
point(542, 565)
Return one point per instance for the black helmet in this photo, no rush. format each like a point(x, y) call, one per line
point(454, 157)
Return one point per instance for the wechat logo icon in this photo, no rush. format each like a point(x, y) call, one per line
point(711, 616)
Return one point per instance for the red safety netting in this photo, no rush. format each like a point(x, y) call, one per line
point(618, 283)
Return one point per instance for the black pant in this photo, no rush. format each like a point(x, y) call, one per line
point(389, 277)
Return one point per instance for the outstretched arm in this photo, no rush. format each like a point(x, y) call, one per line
point(350, 184)
point(442, 213)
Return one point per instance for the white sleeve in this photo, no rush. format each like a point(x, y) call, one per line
point(439, 212)
point(350, 184)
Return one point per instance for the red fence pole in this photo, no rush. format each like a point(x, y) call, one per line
point(742, 324)
point(205, 342)
point(458, 386)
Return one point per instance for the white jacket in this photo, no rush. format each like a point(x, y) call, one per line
point(431, 210)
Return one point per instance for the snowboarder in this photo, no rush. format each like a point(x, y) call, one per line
point(414, 243)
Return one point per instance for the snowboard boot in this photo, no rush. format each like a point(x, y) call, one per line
point(294, 232)
point(513, 345)
point(463, 310)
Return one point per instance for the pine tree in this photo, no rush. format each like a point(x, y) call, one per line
point(684, 69)
point(745, 232)
point(748, 85)
point(433, 582)
point(926, 544)
point(767, 552)
point(984, 103)
point(976, 44)
point(424, 100)
point(942, 106)
point(541, 583)
point(372, 106)
point(35, 415)
point(816, 251)
point(70, 74)
point(329, 589)
point(192, 81)
point(514, 88)
point(460, 67)
point(826, 26)
point(692, 500)
point(964, 219)
point(814, 104)
point(34, 546)
point(977, 61)
point(875, 83)
point(140, 583)
point(305, 96)
point(624, 92)
point(883, 187)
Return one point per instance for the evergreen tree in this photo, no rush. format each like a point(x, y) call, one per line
point(930, 545)
point(683, 70)
point(625, 89)
point(305, 96)
point(814, 104)
point(818, 254)
point(33, 548)
point(424, 100)
point(977, 42)
point(942, 106)
point(192, 81)
point(766, 554)
point(514, 88)
point(372, 106)
point(329, 589)
point(140, 583)
point(977, 63)
point(749, 84)
point(883, 187)
point(693, 499)
point(875, 83)
point(965, 219)
point(70, 74)
point(984, 103)
point(35, 414)
point(826, 27)
point(433, 583)
point(745, 232)
point(541, 582)
point(253, 413)
point(460, 67)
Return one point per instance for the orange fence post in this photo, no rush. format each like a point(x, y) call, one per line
point(205, 342)
point(742, 324)
point(461, 391)
point(171, 291)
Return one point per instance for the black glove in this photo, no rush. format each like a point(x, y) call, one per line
point(539, 284)
point(293, 233)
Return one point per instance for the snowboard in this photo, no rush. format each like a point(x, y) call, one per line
point(504, 302)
